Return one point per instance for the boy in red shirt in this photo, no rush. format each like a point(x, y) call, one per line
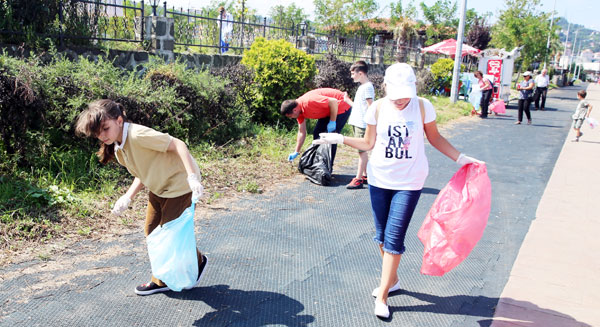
point(325, 104)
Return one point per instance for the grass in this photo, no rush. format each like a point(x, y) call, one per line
point(70, 195)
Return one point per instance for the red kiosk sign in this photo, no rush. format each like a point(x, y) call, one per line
point(494, 68)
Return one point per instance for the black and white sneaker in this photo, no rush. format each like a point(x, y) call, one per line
point(150, 288)
point(200, 271)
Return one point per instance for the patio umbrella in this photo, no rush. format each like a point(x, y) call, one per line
point(448, 47)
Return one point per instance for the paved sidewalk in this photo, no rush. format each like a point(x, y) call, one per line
point(554, 280)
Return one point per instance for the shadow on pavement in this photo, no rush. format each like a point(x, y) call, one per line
point(429, 190)
point(544, 125)
point(251, 308)
point(482, 306)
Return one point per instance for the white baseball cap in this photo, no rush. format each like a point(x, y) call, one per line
point(400, 82)
point(527, 73)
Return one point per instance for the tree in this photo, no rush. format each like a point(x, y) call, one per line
point(404, 31)
point(399, 12)
point(441, 13)
point(285, 16)
point(479, 34)
point(338, 13)
point(443, 20)
point(521, 24)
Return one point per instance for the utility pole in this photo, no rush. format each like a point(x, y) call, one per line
point(580, 66)
point(565, 51)
point(458, 53)
point(549, 32)
point(242, 25)
point(572, 51)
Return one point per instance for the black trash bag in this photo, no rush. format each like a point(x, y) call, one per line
point(315, 163)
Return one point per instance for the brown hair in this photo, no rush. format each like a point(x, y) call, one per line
point(582, 94)
point(478, 72)
point(288, 106)
point(360, 66)
point(90, 121)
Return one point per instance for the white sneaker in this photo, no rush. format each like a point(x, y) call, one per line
point(394, 288)
point(381, 310)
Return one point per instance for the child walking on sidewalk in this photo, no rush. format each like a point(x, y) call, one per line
point(584, 108)
point(158, 161)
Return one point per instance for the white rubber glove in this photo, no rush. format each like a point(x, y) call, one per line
point(121, 205)
point(194, 182)
point(329, 138)
point(463, 160)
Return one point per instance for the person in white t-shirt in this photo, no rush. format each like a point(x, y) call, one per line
point(362, 100)
point(398, 166)
point(541, 89)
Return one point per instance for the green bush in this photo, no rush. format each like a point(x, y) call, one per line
point(282, 71)
point(442, 73)
point(213, 111)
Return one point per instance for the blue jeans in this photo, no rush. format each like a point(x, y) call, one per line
point(392, 211)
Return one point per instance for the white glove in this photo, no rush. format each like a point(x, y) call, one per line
point(195, 185)
point(329, 138)
point(463, 160)
point(121, 205)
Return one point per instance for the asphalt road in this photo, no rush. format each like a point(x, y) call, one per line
point(303, 255)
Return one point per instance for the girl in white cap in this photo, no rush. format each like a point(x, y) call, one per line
point(398, 166)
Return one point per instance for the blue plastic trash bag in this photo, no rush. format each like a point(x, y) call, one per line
point(172, 251)
point(475, 96)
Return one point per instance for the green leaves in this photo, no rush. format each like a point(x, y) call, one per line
point(282, 71)
point(522, 24)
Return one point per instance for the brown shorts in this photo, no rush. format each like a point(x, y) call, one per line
point(359, 133)
point(162, 210)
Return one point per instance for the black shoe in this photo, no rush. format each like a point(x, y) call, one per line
point(150, 288)
point(200, 271)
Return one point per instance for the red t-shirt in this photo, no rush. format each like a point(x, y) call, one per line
point(315, 104)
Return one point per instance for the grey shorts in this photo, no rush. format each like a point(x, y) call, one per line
point(577, 123)
point(359, 133)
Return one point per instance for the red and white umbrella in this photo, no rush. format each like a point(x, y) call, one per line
point(448, 47)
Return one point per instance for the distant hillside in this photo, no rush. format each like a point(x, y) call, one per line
point(589, 37)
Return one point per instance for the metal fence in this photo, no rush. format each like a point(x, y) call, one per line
point(94, 22)
point(80, 20)
point(197, 30)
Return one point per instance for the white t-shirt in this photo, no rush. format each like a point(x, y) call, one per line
point(364, 92)
point(542, 81)
point(398, 160)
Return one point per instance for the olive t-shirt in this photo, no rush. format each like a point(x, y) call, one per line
point(144, 154)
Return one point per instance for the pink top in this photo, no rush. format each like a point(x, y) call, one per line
point(485, 84)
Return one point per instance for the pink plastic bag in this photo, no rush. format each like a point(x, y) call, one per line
point(592, 122)
point(498, 107)
point(456, 220)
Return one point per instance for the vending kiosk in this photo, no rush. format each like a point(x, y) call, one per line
point(497, 65)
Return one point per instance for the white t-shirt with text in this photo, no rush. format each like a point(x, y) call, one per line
point(398, 160)
point(364, 92)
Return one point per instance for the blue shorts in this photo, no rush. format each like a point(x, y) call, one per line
point(392, 211)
